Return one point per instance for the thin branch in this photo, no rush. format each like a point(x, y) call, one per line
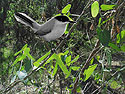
point(95, 51)
point(70, 31)
point(18, 81)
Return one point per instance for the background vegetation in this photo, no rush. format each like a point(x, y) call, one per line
point(88, 59)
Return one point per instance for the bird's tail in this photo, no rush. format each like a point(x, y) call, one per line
point(24, 19)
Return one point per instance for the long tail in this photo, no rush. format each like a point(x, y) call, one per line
point(24, 19)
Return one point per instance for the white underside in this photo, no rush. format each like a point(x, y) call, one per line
point(57, 31)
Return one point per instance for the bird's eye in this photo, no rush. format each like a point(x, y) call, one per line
point(62, 18)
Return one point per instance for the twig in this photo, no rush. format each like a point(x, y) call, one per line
point(95, 51)
point(18, 81)
point(85, 87)
point(71, 29)
point(96, 90)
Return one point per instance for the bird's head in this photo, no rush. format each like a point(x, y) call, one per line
point(64, 19)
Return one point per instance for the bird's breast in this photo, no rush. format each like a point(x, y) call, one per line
point(57, 31)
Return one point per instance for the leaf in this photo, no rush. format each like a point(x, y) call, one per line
point(37, 63)
point(68, 59)
point(63, 58)
point(95, 9)
point(26, 51)
point(123, 47)
point(66, 52)
point(107, 20)
point(89, 71)
point(75, 68)
point(114, 46)
point(104, 36)
point(123, 34)
point(25, 46)
point(109, 56)
point(107, 7)
point(75, 59)
point(91, 62)
point(19, 58)
point(122, 69)
point(21, 74)
point(98, 57)
point(30, 57)
point(100, 19)
point(28, 65)
point(66, 9)
point(114, 85)
point(55, 69)
point(51, 58)
point(13, 79)
point(62, 66)
point(121, 37)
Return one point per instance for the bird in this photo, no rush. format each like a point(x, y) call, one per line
point(50, 30)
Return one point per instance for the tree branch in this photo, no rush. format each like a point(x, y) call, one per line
point(94, 52)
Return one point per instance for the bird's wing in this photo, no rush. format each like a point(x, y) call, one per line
point(46, 27)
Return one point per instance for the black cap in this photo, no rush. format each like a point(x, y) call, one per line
point(63, 19)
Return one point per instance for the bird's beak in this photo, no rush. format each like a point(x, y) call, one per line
point(72, 21)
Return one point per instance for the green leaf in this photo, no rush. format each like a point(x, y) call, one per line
point(37, 63)
point(95, 9)
point(19, 58)
point(62, 66)
point(75, 68)
point(30, 57)
point(123, 47)
point(104, 36)
point(66, 9)
point(107, 7)
point(68, 59)
point(75, 59)
point(121, 36)
point(98, 57)
point(66, 52)
point(91, 62)
point(114, 46)
point(55, 69)
point(100, 19)
point(28, 65)
point(26, 51)
point(89, 71)
point(114, 85)
point(118, 38)
point(51, 58)
point(25, 46)
point(107, 20)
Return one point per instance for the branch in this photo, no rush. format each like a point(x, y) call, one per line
point(94, 52)
point(61, 43)
point(33, 71)
point(71, 29)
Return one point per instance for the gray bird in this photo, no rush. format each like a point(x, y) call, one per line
point(50, 30)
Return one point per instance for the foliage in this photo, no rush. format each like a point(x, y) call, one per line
point(76, 63)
